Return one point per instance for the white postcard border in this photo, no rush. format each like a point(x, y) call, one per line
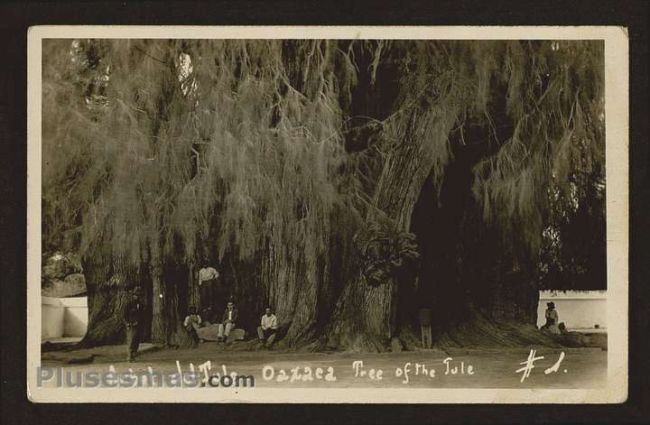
point(617, 208)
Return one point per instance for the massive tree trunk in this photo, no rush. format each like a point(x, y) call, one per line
point(109, 282)
point(366, 315)
point(478, 283)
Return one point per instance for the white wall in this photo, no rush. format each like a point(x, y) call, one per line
point(63, 317)
point(52, 312)
point(75, 320)
point(577, 309)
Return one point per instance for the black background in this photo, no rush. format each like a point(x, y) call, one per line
point(15, 18)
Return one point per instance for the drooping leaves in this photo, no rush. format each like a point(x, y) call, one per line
point(239, 146)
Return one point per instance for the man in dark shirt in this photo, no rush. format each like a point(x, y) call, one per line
point(132, 318)
point(228, 321)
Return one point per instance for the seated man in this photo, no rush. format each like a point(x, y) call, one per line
point(192, 323)
point(268, 328)
point(227, 322)
point(552, 318)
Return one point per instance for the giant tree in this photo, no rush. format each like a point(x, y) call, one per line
point(346, 183)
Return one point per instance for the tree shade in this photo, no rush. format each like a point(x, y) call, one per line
point(345, 183)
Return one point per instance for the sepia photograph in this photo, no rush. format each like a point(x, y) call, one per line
point(327, 214)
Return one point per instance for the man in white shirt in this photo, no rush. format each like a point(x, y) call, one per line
point(207, 282)
point(268, 328)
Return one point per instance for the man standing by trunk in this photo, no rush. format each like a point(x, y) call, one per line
point(207, 285)
point(132, 318)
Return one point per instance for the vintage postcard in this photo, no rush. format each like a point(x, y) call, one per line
point(327, 214)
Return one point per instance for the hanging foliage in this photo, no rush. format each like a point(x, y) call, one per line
point(160, 154)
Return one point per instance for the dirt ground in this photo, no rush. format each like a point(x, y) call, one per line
point(475, 368)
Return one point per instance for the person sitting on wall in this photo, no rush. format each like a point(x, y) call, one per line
point(268, 328)
point(552, 318)
point(192, 323)
point(228, 321)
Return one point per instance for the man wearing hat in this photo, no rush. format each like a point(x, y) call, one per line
point(552, 319)
point(132, 318)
